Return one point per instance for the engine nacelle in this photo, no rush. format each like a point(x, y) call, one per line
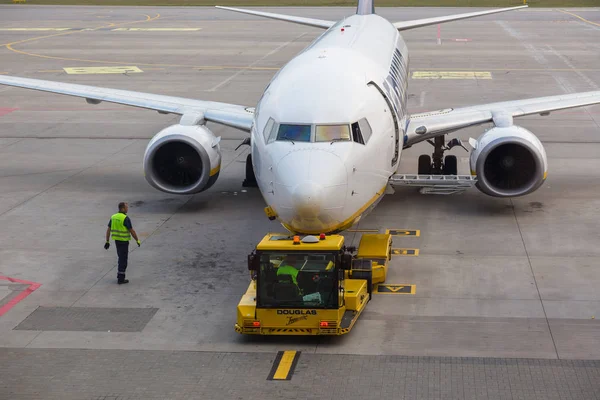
point(509, 162)
point(183, 159)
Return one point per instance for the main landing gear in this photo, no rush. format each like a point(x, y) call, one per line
point(437, 164)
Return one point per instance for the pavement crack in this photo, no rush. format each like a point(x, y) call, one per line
point(534, 278)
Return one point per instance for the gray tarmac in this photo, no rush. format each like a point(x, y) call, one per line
point(507, 301)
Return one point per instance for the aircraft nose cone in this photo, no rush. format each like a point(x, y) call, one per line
point(307, 199)
point(309, 189)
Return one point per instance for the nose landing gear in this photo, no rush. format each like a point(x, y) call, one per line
point(250, 180)
point(437, 164)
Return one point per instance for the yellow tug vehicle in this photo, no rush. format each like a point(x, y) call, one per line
point(310, 285)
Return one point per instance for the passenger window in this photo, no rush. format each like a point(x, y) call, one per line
point(330, 133)
point(295, 133)
point(356, 134)
point(268, 129)
point(365, 129)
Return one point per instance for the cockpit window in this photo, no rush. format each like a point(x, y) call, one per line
point(329, 133)
point(356, 134)
point(268, 129)
point(361, 131)
point(295, 133)
point(365, 129)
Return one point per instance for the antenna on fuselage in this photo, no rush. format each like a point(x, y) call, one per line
point(365, 7)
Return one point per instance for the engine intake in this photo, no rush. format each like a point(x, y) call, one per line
point(509, 162)
point(182, 159)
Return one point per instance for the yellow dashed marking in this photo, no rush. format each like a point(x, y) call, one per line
point(102, 70)
point(405, 252)
point(395, 289)
point(451, 75)
point(158, 29)
point(403, 232)
point(284, 365)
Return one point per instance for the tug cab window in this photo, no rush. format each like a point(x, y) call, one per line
point(294, 133)
point(331, 133)
point(297, 280)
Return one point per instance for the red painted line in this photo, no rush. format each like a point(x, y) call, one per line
point(30, 289)
point(4, 111)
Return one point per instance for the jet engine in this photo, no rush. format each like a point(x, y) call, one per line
point(508, 161)
point(183, 159)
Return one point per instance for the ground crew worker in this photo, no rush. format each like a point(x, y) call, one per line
point(287, 268)
point(121, 230)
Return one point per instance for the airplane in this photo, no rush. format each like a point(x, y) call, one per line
point(328, 132)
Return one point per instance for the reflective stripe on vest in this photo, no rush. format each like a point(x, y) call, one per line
point(118, 230)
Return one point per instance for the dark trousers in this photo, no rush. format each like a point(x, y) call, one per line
point(122, 253)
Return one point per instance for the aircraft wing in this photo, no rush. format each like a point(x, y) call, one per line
point(232, 115)
point(417, 23)
point(427, 125)
point(317, 23)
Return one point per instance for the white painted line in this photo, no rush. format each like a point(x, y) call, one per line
point(452, 75)
point(158, 29)
point(254, 63)
point(102, 70)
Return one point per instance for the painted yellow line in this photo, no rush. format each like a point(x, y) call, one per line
point(32, 29)
point(9, 45)
point(390, 288)
point(403, 232)
point(452, 75)
point(405, 252)
point(284, 365)
point(102, 70)
point(577, 16)
point(158, 29)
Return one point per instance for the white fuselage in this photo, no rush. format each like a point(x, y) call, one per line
point(330, 126)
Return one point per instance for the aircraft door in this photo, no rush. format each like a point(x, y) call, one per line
point(398, 132)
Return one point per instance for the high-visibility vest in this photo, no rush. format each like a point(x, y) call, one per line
point(118, 231)
point(288, 270)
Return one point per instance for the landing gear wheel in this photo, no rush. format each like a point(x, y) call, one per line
point(250, 180)
point(450, 165)
point(424, 165)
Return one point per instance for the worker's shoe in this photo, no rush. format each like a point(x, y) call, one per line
point(122, 281)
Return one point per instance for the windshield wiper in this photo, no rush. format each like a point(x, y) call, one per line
point(338, 140)
point(287, 138)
